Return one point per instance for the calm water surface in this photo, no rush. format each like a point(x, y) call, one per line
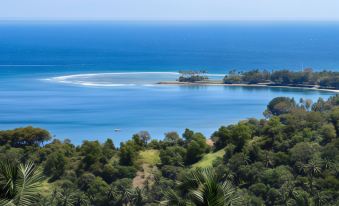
point(36, 57)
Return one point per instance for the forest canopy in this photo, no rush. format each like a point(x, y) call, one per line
point(290, 157)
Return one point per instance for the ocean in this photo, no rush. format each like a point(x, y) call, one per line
point(83, 80)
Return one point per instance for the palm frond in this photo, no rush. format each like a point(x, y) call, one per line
point(4, 202)
point(203, 187)
point(28, 184)
point(213, 192)
point(19, 184)
point(8, 175)
point(172, 198)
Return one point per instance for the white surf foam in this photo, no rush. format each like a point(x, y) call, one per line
point(117, 79)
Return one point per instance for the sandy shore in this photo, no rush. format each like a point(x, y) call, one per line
point(242, 85)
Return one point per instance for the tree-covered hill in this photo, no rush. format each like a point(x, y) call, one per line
point(289, 158)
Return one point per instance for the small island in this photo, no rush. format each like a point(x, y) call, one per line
point(322, 80)
point(192, 76)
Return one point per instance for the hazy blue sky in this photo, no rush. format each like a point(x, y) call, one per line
point(170, 9)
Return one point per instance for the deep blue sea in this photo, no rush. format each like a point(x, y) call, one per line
point(83, 80)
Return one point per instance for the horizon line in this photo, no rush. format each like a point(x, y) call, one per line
point(169, 21)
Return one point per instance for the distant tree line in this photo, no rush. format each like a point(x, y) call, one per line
point(192, 76)
point(307, 77)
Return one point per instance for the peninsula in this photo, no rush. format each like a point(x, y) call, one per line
point(307, 79)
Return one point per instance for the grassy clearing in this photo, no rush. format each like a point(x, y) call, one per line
point(147, 165)
point(150, 157)
point(208, 159)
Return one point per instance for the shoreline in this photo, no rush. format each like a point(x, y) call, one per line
point(175, 83)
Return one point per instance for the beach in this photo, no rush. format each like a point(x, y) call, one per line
point(242, 85)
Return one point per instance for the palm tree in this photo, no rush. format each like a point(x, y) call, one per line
point(173, 198)
point(286, 193)
point(320, 198)
point(19, 184)
point(122, 196)
point(69, 197)
point(300, 198)
point(327, 163)
point(64, 197)
point(135, 196)
point(203, 188)
point(312, 169)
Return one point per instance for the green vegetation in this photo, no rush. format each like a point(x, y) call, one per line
point(208, 159)
point(19, 184)
point(192, 76)
point(306, 78)
point(203, 187)
point(150, 157)
point(289, 158)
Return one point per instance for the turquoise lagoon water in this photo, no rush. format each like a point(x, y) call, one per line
point(84, 80)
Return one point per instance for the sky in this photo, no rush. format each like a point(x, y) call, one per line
point(171, 10)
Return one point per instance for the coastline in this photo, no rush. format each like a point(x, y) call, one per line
point(176, 83)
